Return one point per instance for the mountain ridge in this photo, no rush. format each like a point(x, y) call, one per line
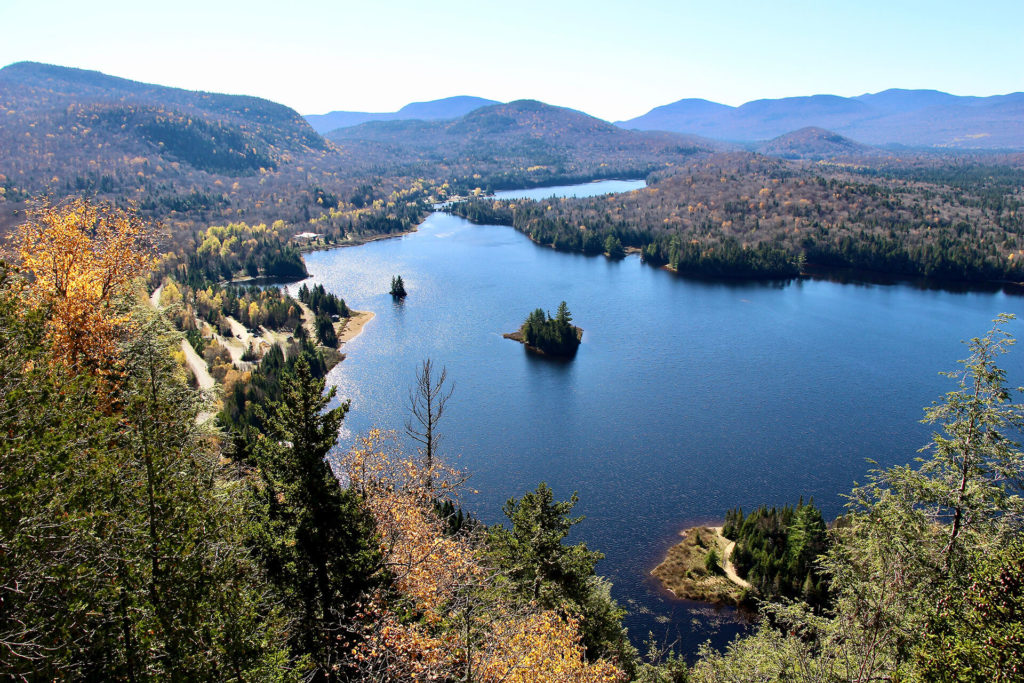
point(915, 118)
point(430, 110)
point(524, 143)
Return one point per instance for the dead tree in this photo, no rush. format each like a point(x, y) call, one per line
point(427, 400)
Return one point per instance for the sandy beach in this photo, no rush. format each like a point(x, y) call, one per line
point(355, 325)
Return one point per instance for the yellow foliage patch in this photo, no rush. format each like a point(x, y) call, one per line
point(83, 257)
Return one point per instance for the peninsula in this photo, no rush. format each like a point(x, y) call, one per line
point(699, 568)
point(770, 553)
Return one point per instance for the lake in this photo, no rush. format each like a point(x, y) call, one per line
point(598, 187)
point(686, 398)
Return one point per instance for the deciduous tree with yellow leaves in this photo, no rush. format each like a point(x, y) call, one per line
point(444, 619)
point(83, 258)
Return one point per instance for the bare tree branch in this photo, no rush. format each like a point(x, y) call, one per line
point(428, 398)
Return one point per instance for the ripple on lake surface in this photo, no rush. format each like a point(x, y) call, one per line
point(686, 398)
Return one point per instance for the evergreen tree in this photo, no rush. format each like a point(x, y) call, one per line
point(398, 287)
point(313, 537)
point(325, 331)
point(556, 576)
point(562, 315)
point(975, 474)
point(613, 247)
point(121, 556)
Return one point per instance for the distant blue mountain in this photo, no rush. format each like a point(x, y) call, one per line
point(918, 118)
point(434, 110)
point(897, 99)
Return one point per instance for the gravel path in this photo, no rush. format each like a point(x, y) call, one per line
point(727, 565)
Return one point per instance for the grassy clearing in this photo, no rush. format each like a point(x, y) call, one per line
point(688, 572)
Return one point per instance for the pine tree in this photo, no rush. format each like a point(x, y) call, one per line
point(313, 537)
point(398, 287)
point(975, 472)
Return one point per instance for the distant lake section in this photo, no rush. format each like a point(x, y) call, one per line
point(594, 189)
point(686, 398)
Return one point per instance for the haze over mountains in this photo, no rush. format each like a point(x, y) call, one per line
point(911, 118)
point(446, 108)
point(917, 118)
point(67, 130)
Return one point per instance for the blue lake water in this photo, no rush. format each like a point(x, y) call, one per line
point(598, 187)
point(686, 398)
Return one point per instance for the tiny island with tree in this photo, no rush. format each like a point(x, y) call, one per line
point(555, 336)
point(398, 287)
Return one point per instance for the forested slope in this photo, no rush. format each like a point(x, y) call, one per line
point(748, 215)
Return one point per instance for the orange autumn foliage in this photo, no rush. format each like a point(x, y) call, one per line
point(392, 650)
point(538, 648)
point(460, 632)
point(428, 566)
point(83, 258)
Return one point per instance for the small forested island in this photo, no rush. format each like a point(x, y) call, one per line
point(398, 287)
point(551, 336)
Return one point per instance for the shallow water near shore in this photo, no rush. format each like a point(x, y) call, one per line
point(686, 397)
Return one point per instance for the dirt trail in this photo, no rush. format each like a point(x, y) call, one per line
point(308, 319)
point(154, 298)
point(727, 565)
point(198, 366)
point(237, 343)
point(202, 373)
point(238, 330)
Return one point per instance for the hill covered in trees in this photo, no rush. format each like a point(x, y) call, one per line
point(813, 143)
point(186, 158)
point(523, 144)
point(748, 215)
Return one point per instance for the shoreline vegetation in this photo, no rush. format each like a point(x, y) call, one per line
point(807, 269)
point(517, 336)
point(355, 241)
point(742, 216)
point(700, 568)
point(769, 554)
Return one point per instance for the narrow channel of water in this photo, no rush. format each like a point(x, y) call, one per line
point(598, 187)
point(686, 398)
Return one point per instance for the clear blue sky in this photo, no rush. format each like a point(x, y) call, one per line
point(611, 59)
